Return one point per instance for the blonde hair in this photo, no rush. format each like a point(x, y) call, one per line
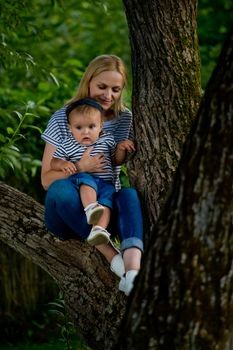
point(98, 65)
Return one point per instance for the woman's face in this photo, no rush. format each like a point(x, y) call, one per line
point(106, 88)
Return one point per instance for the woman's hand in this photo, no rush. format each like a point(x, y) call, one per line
point(68, 168)
point(91, 164)
point(127, 146)
point(122, 150)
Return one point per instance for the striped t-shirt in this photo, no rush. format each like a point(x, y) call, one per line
point(120, 127)
point(71, 150)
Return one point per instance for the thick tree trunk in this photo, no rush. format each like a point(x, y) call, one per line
point(184, 295)
point(166, 92)
point(90, 289)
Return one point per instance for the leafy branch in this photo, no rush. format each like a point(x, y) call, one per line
point(10, 156)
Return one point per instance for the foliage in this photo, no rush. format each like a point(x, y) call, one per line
point(49, 346)
point(10, 155)
point(67, 330)
point(23, 286)
point(214, 20)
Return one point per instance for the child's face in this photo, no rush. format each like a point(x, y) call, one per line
point(85, 127)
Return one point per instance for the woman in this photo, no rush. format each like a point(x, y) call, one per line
point(104, 81)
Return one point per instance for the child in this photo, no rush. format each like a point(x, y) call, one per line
point(85, 123)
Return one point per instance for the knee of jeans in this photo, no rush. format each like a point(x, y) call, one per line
point(126, 197)
point(61, 191)
point(128, 192)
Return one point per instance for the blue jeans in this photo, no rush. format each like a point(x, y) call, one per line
point(65, 216)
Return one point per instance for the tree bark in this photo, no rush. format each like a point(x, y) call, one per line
point(166, 93)
point(90, 289)
point(183, 296)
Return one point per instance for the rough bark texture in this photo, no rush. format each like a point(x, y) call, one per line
point(166, 92)
point(90, 289)
point(184, 294)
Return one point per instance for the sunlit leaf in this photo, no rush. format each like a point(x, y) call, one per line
point(9, 130)
point(18, 114)
point(34, 127)
point(54, 79)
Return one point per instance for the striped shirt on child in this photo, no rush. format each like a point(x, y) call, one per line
point(73, 151)
point(120, 127)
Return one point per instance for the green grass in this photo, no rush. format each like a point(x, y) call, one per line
point(49, 346)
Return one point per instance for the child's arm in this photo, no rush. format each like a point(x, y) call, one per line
point(122, 149)
point(64, 165)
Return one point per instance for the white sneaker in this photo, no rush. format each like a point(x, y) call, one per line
point(127, 282)
point(94, 211)
point(117, 265)
point(98, 235)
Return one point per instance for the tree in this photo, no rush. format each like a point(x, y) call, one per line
point(163, 87)
point(183, 295)
point(166, 92)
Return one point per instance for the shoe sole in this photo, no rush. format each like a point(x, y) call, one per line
point(95, 216)
point(121, 285)
point(98, 239)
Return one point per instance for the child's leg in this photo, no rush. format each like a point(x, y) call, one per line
point(99, 235)
point(87, 195)
point(93, 210)
point(105, 218)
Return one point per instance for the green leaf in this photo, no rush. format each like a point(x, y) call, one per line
point(33, 127)
point(2, 138)
point(9, 130)
point(18, 114)
point(14, 148)
point(54, 79)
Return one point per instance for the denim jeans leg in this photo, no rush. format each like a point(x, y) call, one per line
point(64, 213)
point(129, 218)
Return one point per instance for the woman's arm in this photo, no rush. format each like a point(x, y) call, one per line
point(47, 174)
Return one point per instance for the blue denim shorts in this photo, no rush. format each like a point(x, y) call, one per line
point(104, 189)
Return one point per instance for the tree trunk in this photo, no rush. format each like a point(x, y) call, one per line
point(183, 296)
point(166, 92)
point(90, 289)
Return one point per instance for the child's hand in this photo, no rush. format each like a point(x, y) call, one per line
point(126, 145)
point(69, 168)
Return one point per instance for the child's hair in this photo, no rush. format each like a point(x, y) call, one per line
point(98, 65)
point(83, 105)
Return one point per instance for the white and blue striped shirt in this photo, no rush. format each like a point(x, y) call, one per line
point(71, 150)
point(120, 127)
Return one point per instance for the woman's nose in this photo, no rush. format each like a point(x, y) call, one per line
point(107, 93)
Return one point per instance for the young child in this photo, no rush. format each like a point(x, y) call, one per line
point(96, 189)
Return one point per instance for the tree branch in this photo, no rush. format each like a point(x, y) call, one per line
point(90, 289)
